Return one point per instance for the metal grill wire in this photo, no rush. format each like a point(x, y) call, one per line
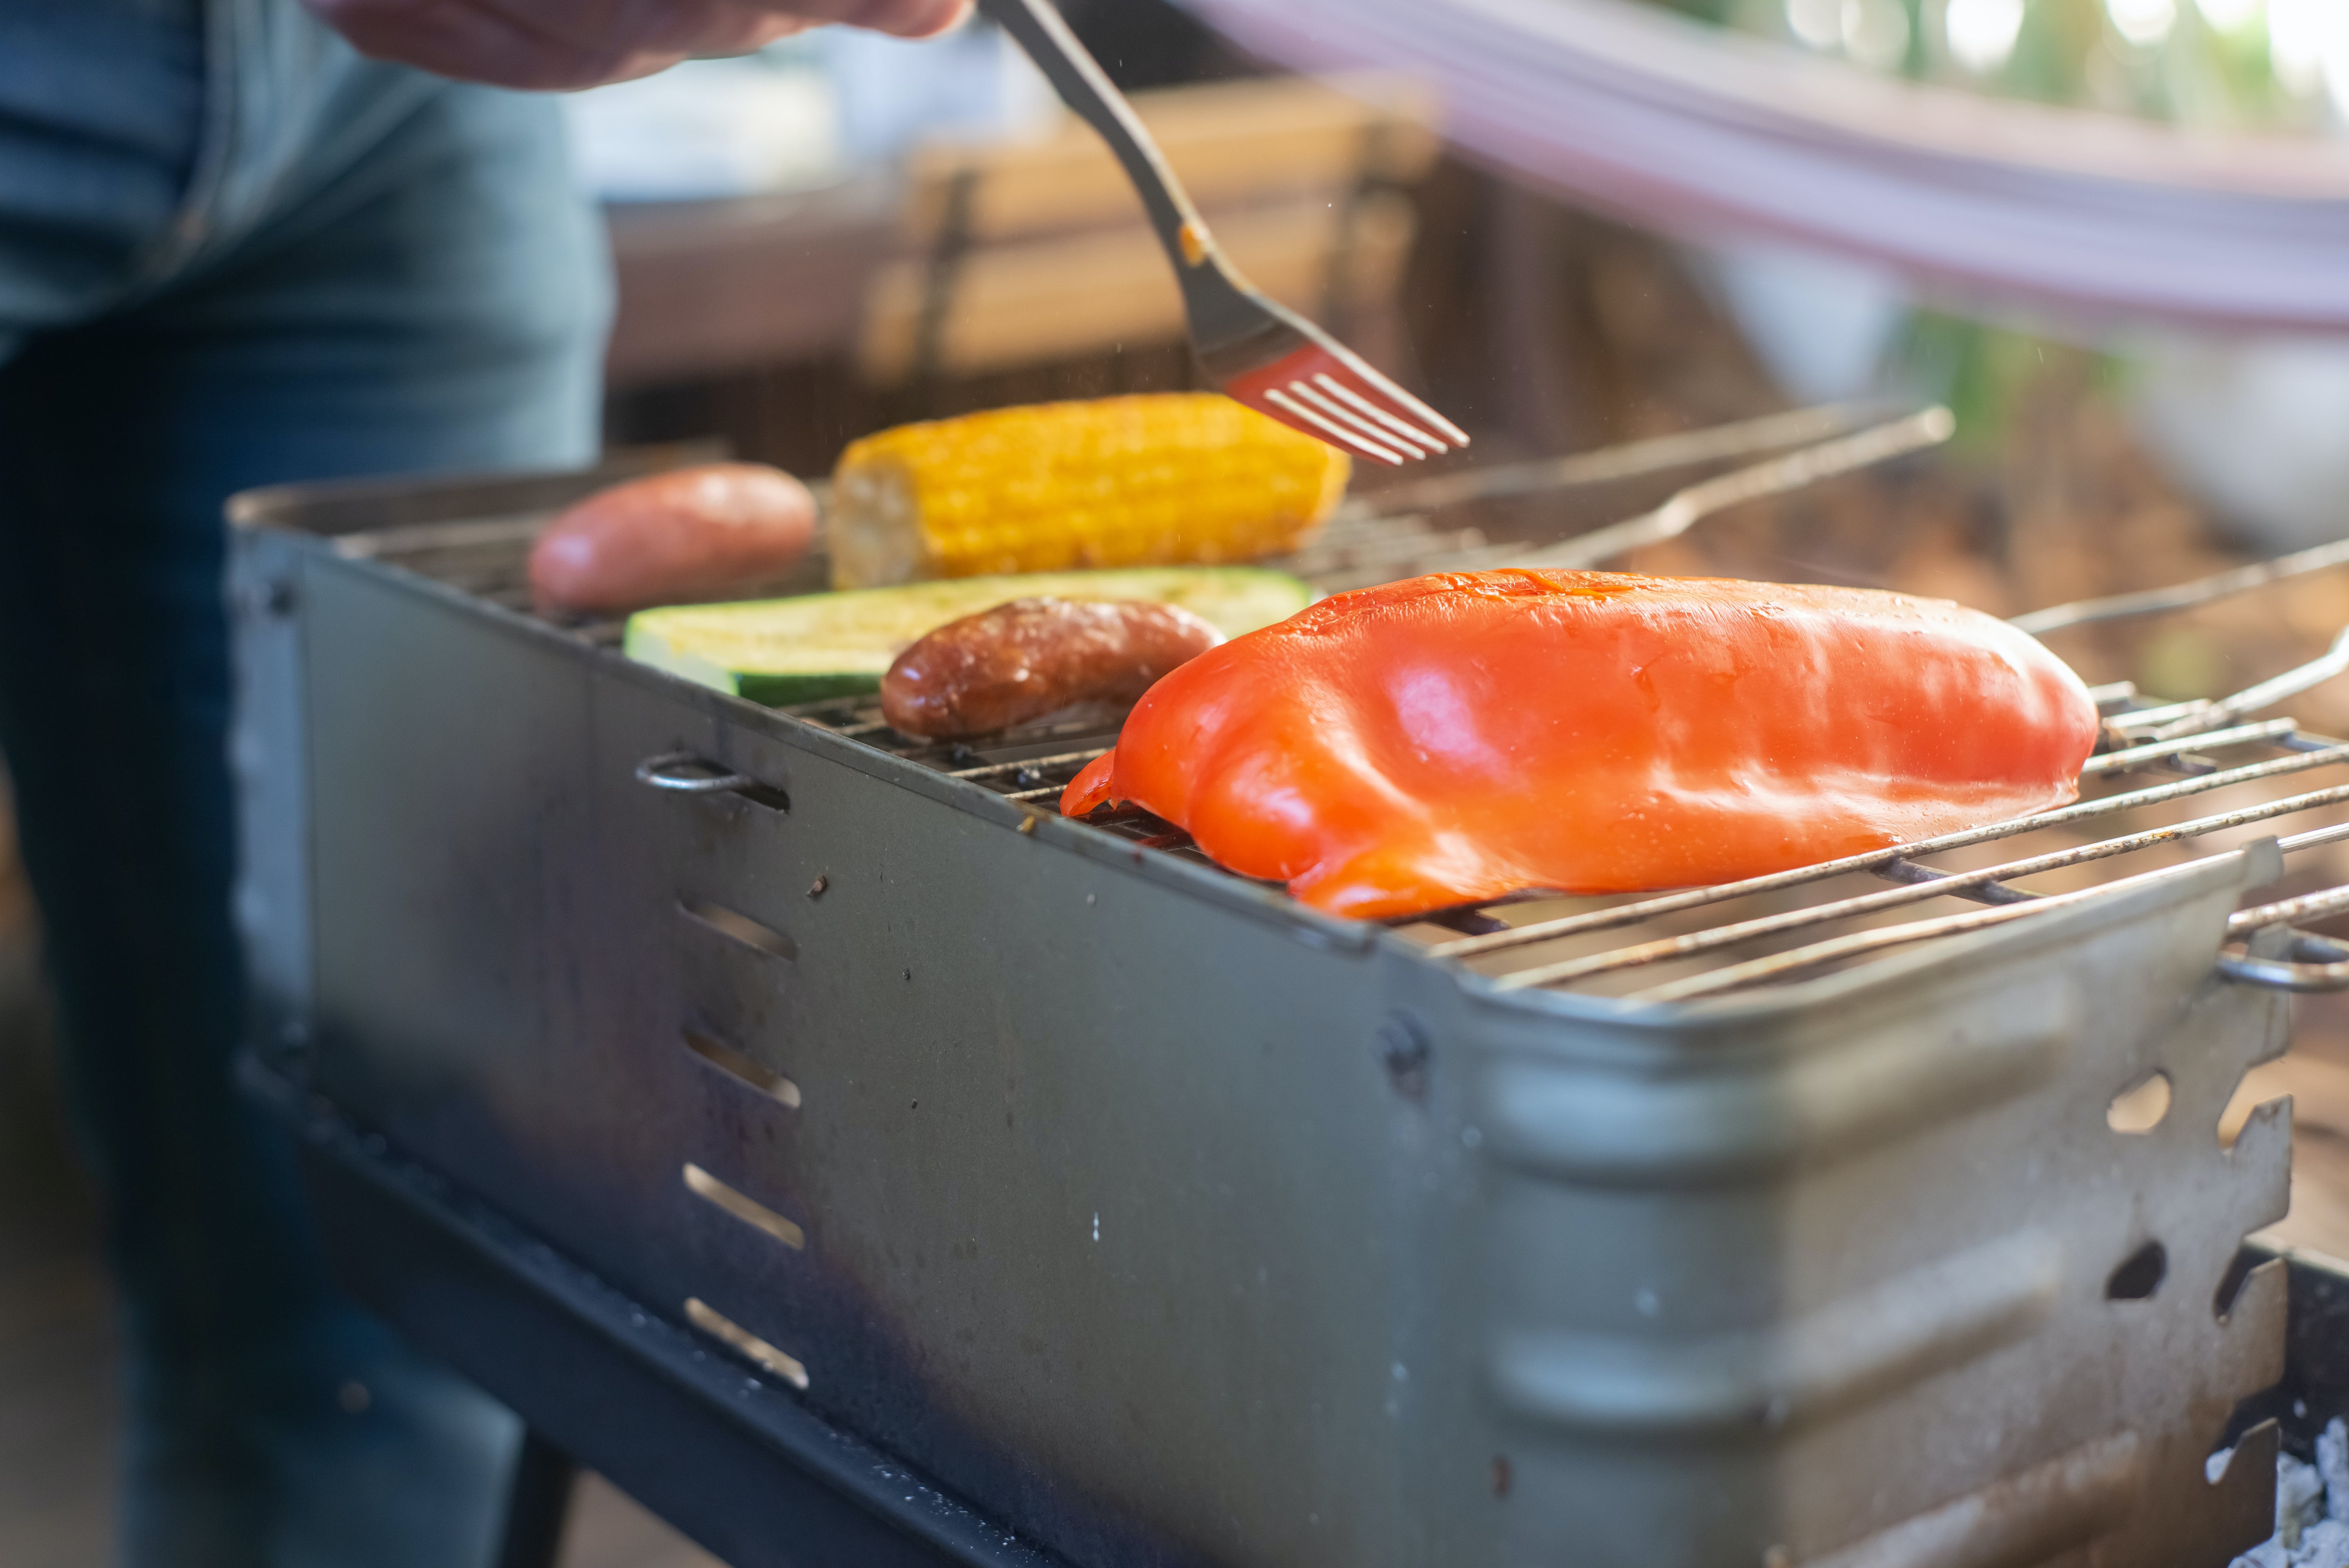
point(2173, 782)
point(2148, 807)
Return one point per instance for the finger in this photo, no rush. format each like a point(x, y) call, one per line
point(903, 18)
point(510, 46)
point(734, 29)
point(915, 18)
point(650, 34)
point(471, 44)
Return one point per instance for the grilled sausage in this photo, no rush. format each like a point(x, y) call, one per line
point(692, 533)
point(1022, 661)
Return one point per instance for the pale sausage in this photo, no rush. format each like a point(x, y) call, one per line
point(689, 534)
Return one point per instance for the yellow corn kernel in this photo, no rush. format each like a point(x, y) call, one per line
point(1161, 480)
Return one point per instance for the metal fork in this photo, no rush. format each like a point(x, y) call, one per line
point(1258, 353)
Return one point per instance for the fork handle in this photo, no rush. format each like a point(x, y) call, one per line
point(1087, 90)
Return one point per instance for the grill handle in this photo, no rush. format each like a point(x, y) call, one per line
point(2301, 962)
point(656, 771)
point(2315, 965)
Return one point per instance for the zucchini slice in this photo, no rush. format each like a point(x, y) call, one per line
point(784, 651)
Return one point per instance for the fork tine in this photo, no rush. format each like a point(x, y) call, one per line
point(1387, 426)
point(1375, 387)
point(1321, 388)
point(1327, 427)
point(1424, 447)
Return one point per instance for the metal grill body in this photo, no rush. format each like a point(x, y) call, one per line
point(1167, 1222)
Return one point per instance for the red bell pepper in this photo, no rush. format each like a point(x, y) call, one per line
point(1455, 737)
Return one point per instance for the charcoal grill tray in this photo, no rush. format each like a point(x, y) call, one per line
point(1167, 1222)
point(732, 1460)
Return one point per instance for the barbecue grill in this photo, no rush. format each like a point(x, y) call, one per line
point(924, 1177)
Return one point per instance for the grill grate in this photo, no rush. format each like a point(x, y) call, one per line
point(1535, 937)
point(1702, 942)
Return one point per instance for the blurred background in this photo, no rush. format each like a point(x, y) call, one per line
point(846, 232)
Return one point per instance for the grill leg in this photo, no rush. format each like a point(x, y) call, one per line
point(536, 1507)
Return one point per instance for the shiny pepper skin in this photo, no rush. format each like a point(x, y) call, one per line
point(1455, 737)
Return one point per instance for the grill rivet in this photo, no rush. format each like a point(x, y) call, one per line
point(1403, 1047)
point(815, 888)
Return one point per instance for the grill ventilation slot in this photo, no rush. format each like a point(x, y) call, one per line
point(736, 1065)
point(749, 1210)
point(2139, 1276)
point(2223, 1302)
point(717, 1326)
point(734, 924)
point(766, 795)
point(2140, 1108)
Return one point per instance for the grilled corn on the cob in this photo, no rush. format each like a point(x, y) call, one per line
point(1160, 479)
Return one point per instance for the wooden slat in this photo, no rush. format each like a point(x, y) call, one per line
point(710, 287)
point(56, 1412)
point(609, 1529)
point(1031, 303)
point(1232, 144)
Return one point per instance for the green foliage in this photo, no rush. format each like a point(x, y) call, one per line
point(1979, 370)
point(2071, 52)
point(2065, 51)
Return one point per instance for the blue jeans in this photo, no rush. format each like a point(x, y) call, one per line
point(231, 253)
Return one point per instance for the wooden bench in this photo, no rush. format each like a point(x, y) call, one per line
point(1022, 253)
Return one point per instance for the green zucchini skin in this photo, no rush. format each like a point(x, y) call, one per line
point(783, 652)
point(790, 691)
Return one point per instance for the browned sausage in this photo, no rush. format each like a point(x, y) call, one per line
point(1019, 662)
point(690, 533)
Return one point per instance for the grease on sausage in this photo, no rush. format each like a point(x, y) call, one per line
point(692, 533)
point(1022, 661)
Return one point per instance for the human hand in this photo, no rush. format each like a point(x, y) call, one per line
point(564, 44)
